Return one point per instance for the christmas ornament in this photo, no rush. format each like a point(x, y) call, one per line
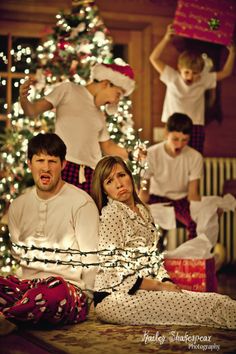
point(63, 44)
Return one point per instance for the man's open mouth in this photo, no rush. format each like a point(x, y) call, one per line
point(45, 179)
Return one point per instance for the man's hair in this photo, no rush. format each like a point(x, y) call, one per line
point(48, 143)
point(179, 122)
point(101, 173)
point(191, 60)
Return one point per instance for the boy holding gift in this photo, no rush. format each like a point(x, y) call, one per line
point(187, 85)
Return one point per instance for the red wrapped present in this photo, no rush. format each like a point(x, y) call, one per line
point(193, 274)
point(208, 20)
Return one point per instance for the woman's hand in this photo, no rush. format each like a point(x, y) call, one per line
point(156, 285)
point(169, 286)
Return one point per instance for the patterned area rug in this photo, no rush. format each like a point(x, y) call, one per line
point(94, 337)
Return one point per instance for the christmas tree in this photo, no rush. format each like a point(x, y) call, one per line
point(78, 41)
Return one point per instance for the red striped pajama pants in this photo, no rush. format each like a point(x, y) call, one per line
point(71, 173)
point(197, 138)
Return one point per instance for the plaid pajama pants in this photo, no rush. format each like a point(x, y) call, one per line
point(71, 174)
point(182, 212)
point(42, 301)
point(197, 138)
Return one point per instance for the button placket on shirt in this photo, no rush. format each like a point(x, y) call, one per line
point(40, 230)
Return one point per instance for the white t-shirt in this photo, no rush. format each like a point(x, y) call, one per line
point(79, 123)
point(59, 222)
point(181, 98)
point(170, 176)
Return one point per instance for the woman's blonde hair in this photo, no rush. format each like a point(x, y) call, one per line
point(101, 173)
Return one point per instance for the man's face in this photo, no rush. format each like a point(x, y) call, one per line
point(189, 76)
point(175, 142)
point(46, 172)
point(109, 94)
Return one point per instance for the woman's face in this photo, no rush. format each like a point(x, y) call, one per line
point(118, 185)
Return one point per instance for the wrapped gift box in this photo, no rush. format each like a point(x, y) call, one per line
point(206, 20)
point(193, 274)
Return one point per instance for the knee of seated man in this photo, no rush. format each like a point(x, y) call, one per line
point(52, 290)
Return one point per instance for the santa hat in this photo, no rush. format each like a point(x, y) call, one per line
point(119, 75)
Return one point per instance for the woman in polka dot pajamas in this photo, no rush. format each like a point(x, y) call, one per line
point(149, 297)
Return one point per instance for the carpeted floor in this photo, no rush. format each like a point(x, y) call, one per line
point(94, 337)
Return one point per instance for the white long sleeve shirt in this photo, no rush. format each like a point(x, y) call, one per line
point(67, 220)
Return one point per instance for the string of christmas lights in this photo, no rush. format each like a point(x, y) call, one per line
point(137, 260)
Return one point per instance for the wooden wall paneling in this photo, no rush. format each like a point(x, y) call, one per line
point(140, 28)
point(30, 18)
point(33, 11)
point(135, 60)
point(164, 8)
point(134, 42)
point(123, 20)
point(147, 119)
point(138, 43)
point(28, 29)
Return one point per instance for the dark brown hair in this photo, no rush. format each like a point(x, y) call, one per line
point(48, 143)
point(179, 122)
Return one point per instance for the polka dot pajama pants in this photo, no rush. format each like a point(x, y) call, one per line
point(51, 300)
point(168, 308)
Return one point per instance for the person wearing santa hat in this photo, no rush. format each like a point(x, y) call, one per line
point(80, 122)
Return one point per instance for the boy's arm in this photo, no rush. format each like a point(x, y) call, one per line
point(229, 64)
point(32, 109)
point(144, 190)
point(193, 190)
point(110, 148)
point(158, 64)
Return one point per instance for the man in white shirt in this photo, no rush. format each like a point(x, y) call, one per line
point(80, 123)
point(174, 171)
point(53, 241)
